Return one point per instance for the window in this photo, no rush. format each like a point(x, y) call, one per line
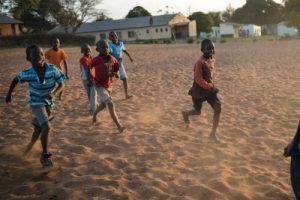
point(161, 30)
point(148, 31)
point(119, 34)
point(131, 34)
point(166, 29)
point(156, 30)
point(102, 36)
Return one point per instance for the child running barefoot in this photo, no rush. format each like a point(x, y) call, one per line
point(116, 48)
point(203, 88)
point(106, 67)
point(87, 80)
point(41, 78)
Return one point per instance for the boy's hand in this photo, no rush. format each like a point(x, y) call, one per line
point(116, 75)
point(90, 84)
point(67, 77)
point(131, 59)
point(49, 96)
point(8, 98)
point(287, 150)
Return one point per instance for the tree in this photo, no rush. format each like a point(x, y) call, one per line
point(6, 6)
point(138, 11)
point(75, 12)
point(103, 17)
point(259, 12)
point(292, 13)
point(228, 13)
point(204, 22)
point(216, 17)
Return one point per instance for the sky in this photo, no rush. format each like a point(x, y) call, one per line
point(118, 9)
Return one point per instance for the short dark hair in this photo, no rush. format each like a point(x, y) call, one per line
point(205, 42)
point(29, 49)
point(53, 38)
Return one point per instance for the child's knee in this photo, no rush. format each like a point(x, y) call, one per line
point(217, 108)
point(46, 126)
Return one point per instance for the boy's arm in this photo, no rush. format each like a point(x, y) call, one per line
point(13, 84)
point(66, 68)
point(128, 55)
point(199, 78)
point(58, 89)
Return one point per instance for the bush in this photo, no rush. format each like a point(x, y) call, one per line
point(44, 39)
point(190, 40)
point(223, 40)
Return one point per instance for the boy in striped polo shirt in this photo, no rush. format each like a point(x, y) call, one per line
point(41, 78)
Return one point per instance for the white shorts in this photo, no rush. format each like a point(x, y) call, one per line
point(104, 95)
point(122, 71)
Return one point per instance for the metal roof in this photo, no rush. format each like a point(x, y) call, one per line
point(127, 23)
point(4, 19)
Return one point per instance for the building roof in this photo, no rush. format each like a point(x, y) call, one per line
point(127, 23)
point(4, 19)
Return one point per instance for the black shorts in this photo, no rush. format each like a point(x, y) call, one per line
point(213, 101)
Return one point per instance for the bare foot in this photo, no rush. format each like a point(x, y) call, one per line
point(95, 119)
point(121, 129)
point(186, 119)
point(128, 96)
point(213, 137)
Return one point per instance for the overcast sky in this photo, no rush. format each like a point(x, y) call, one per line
point(118, 9)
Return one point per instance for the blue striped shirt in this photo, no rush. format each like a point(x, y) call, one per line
point(39, 88)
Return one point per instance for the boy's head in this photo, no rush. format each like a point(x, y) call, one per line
point(55, 43)
point(86, 49)
point(207, 48)
point(113, 37)
point(35, 55)
point(102, 47)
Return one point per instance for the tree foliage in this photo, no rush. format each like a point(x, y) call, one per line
point(138, 11)
point(103, 17)
point(292, 13)
point(259, 12)
point(228, 13)
point(216, 17)
point(204, 22)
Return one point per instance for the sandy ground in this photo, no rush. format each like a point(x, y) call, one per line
point(156, 157)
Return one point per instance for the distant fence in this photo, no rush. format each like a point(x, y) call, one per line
point(44, 39)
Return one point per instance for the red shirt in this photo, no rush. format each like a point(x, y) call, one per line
point(203, 72)
point(104, 72)
point(85, 61)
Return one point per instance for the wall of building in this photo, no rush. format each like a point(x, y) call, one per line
point(147, 33)
point(193, 29)
point(9, 29)
point(283, 30)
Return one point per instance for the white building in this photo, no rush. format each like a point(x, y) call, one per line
point(230, 29)
point(252, 30)
point(172, 26)
point(284, 30)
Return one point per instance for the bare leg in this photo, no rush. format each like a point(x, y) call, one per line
point(125, 84)
point(45, 130)
point(34, 138)
point(98, 109)
point(216, 119)
point(186, 115)
point(115, 118)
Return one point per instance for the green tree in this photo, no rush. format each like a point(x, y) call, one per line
point(216, 17)
point(292, 13)
point(76, 12)
point(204, 22)
point(103, 17)
point(138, 11)
point(228, 13)
point(259, 12)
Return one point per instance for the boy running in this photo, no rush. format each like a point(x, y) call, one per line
point(87, 80)
point(57, 57)
point(106, 67)
point(116, 48)
point(203, 88)
point(41, 78)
